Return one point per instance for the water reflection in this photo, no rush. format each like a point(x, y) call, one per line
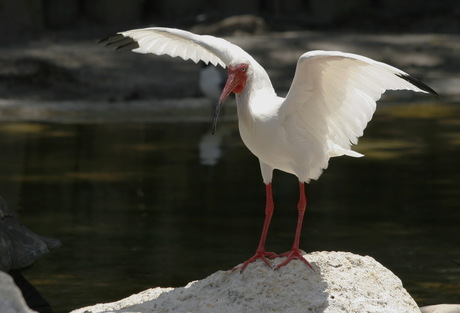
point(135, 207)
point(211, 145)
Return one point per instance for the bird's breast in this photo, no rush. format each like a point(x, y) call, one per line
point(284, 143)
point(263, 132)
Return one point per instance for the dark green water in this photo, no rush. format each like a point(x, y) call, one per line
point(135, 207)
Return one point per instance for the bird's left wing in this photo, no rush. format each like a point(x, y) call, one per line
point(335, 94)
point(176, 43)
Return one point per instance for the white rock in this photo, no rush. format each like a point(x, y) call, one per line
point(11, 300)
point(441, 308)
point(341, 282)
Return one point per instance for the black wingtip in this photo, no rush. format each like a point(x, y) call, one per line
point(128, 46)
point(110, 39)
point(119, 42)
point(417, 83)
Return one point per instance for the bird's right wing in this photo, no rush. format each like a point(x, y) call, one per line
point(176, 43)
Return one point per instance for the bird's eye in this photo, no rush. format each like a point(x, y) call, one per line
point(243, 69)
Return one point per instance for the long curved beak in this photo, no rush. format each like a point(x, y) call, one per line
point(232, 81)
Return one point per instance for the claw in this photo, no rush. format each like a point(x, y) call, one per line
point(260, 255)
point(292, 255)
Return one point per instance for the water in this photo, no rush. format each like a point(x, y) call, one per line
point(138, 205)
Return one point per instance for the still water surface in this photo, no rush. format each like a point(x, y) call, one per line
point(141, 205)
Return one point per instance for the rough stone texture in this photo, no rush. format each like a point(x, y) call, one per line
point(441, 308)
point(341, 282)
point(11, 300)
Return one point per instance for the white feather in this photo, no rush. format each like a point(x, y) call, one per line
point(332, 98)
point(183, 44)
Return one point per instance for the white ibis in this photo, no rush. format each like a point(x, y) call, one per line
point(332, 98)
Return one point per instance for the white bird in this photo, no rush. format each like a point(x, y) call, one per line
point(331, 99)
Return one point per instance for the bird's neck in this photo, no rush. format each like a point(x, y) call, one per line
point(242, 107)
point(258, 87)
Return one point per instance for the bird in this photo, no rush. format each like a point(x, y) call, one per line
point(331, 99)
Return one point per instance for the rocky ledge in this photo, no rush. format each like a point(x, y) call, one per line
point(340, 282)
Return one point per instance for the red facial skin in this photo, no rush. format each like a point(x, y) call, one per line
point(236, 81)
point(237, 77)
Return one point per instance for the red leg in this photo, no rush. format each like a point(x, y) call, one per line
point(295, 251)
point(260, 252)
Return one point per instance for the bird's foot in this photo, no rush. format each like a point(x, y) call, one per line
point(260, 255)
point(291, 255)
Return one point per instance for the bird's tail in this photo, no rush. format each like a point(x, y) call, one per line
point(336, 150)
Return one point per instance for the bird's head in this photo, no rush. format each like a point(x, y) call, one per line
point(237, 77)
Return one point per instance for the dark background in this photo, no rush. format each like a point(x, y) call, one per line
point(49, 53)
point(32, 18)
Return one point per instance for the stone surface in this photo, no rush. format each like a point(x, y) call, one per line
point(19, 246)
point(341, 282)
point(11, 300)
point(441, 308)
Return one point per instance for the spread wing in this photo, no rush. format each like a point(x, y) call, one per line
point(176, 43)
point(335, 93)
